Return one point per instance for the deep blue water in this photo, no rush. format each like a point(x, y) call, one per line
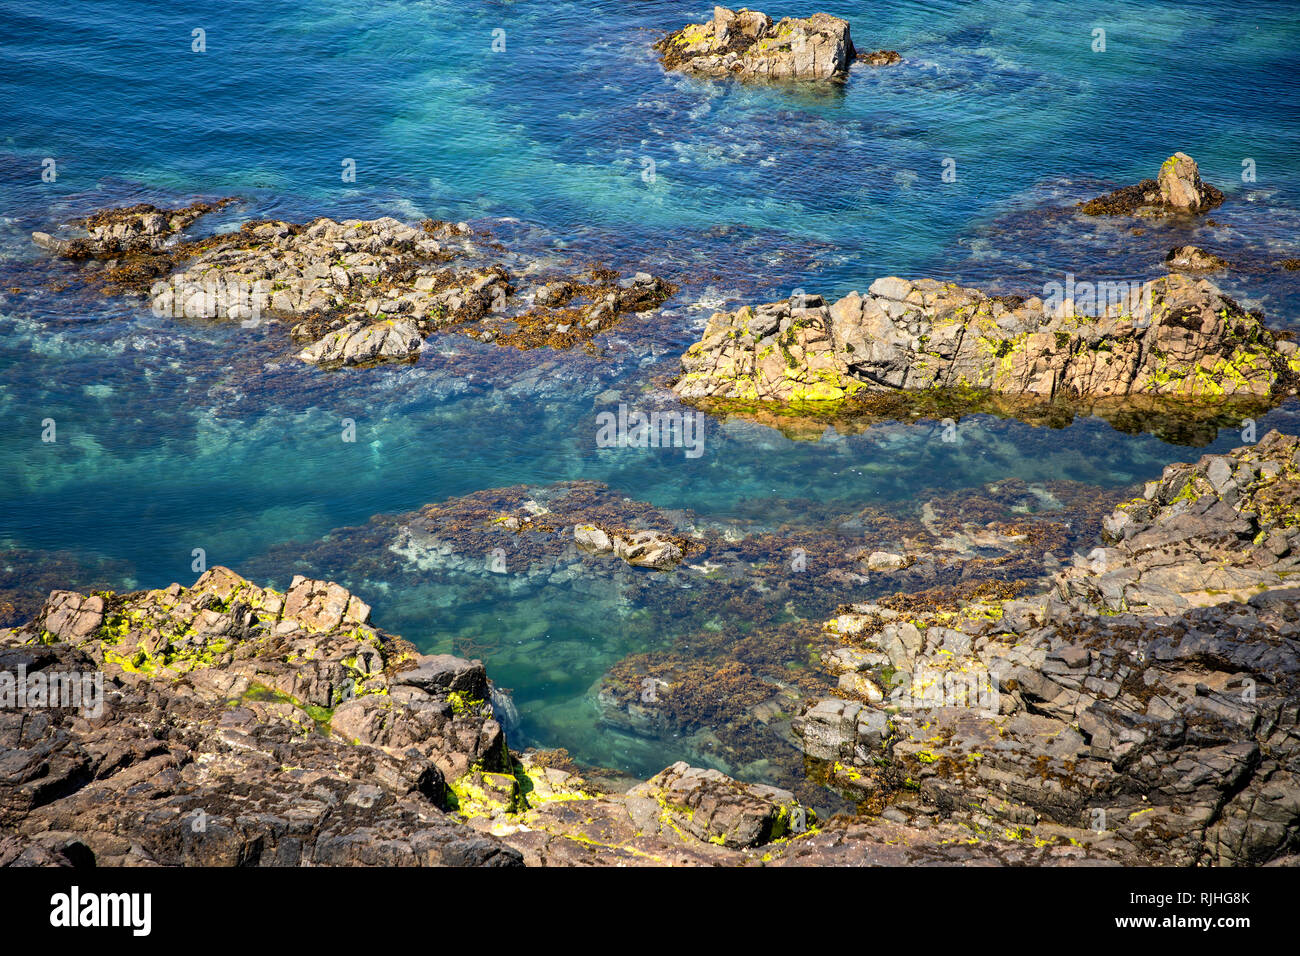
point(181, 436)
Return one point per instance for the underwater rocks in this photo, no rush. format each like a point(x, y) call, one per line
point(641, 549)
point(748, 45)
point(881, 58)
point(571, 310)
point(1173, 338)
point(1177, 189)
point(28, 576)
point(358, 292)
point(1148, 729)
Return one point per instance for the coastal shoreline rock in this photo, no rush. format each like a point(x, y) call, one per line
point(418, 767)
point(1146, 703)
point(880, 58)
point(1226, 527)
point(238, 725)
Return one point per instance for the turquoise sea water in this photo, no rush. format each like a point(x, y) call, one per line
point(175, 436)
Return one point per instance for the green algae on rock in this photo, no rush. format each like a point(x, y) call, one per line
point(1175, 341)
point(242, 726)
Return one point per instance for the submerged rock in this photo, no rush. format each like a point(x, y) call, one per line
point(1193, 259)
point(1177, 189)
point(881, 58)
point(747, 44)
point(885, 561)
point(1175, 338)
point(642, 549)
point(239, 725)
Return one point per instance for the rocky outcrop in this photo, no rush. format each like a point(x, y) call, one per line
point(359, 344)
point(1181, 187)
point(748, 45)
point(230, 724)
point(1224, 528)
point(357, 292)
point(143, 227)
point(1173, 338)
point(1109, 712)
point(240, 725)
point(1178, 188)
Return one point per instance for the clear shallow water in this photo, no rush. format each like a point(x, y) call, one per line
point(175, 436)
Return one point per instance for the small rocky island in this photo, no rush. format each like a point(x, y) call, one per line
point(1177, 189)
point(747, 44)
point(1176, 338)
